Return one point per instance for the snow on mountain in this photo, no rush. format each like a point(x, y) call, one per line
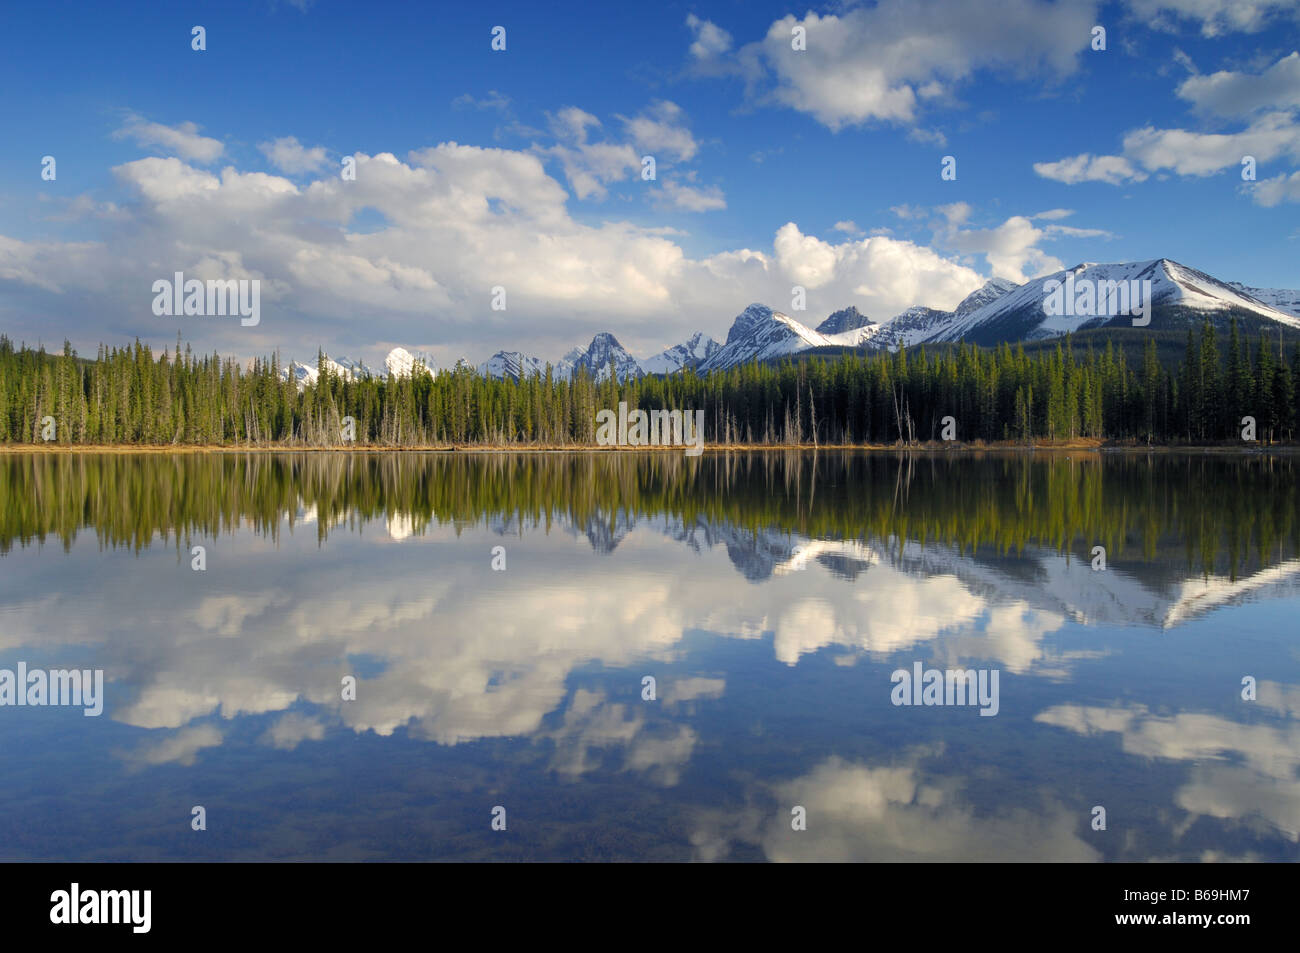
point(348, 369)
point(597, 356)
point(918, 323)
point(998, 311)
point(992, 290)
point(1283, 299)
point(398, 363)
point(565, 365)
point(854, 337)
point(401, 363)
point(759, 333)
point(846, 319)
point(345, 368)
point(513, 365)
point(680, 356)
point(299, 373)
point(1019, 314)
point(357, 370)
point(1198, 290)
point(848, 327)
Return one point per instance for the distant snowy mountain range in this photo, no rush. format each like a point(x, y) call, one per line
point(999, 311)
point(399, 363)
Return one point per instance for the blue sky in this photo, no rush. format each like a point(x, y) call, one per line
point(521, 168)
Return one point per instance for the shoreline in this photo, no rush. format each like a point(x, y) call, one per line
point(1088, 446)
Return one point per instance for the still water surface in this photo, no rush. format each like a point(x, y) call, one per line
point(769, 596)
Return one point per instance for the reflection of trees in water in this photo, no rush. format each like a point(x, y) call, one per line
point(1219, 512)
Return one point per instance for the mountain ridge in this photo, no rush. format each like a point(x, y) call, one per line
point(1000, 310)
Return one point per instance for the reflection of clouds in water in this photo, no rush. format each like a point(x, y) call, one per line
point(160, 705)
point(19, 620)
point(1223, 857)
point(477, 671)
point(1283, 699)
point(901, 612)
point(593, 725)
point(227, 614)
point(1239, 771)
point(400, 526)
point(693, 689)
point(348, 610)
point(1230, 793)
point(291, 729)
point(892, 613)
point(663, 757)
point(1014, 634)
point(590, 725)
point(180, 748)
point(463, 653)
point(861, 812)
point(178, 697)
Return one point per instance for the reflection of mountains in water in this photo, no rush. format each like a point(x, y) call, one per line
point(1129, 593)
point(603, 531)
point(1182, 532)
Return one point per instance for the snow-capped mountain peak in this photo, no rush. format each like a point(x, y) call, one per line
point(402, 363)
point(690, 354)
point(759, 333)
point(345, 368)
point(992, 290)
point(748, 322)
point(603, 351)
point(845, 319)
point(1283, 299)
point(1020, 315)
point(299, 373)
point(512, 365)
point(565, 365)
point(998, 311)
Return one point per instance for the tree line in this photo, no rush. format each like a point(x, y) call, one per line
point(132, 396)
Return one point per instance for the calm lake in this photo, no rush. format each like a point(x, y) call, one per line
point(502, 616)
